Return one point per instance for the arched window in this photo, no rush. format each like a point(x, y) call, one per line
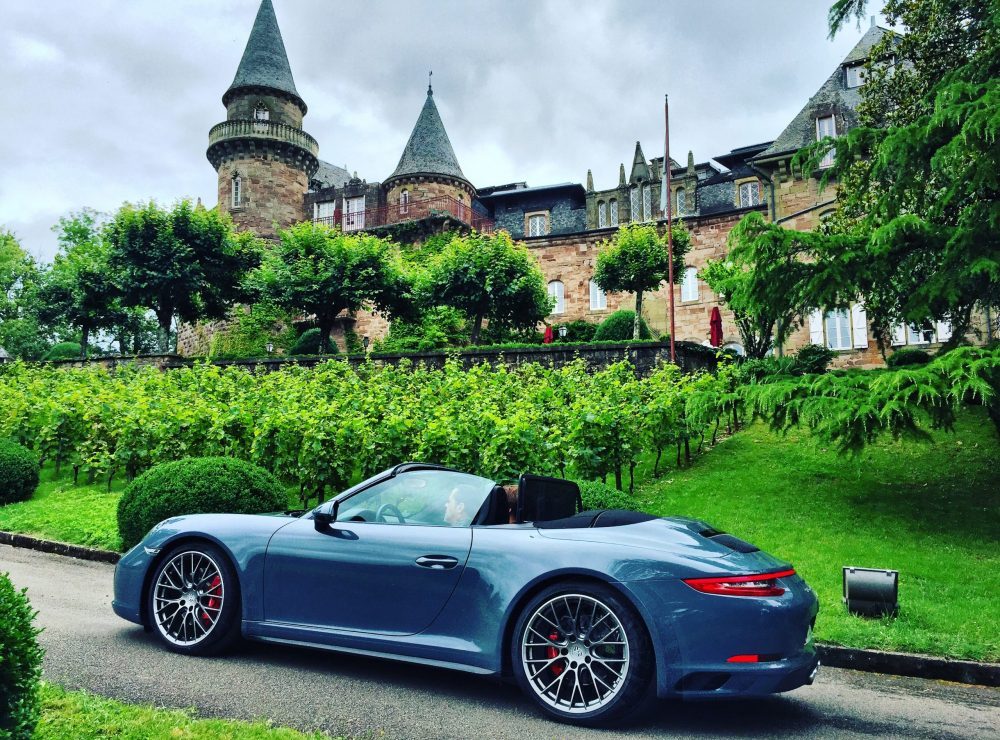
point(647, 203)
point(237, 191)
point(681, 201)
point(613, 208)
point(689, 286)
point(602, 214)
point(636, 203)
point(404, 201)
point(558, 292)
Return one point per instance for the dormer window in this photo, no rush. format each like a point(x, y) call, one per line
point(855, 75)
point(237, 190)
point(749, 194)
point(261, 113)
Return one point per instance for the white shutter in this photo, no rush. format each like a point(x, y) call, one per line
point(943, 331)
point(816, 327)
point(899, 335)
point(859, 323)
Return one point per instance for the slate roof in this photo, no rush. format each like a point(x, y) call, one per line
point(833, 97)
point(428, 151)
point(331, 176)
point(264, 62)
point(574, 187)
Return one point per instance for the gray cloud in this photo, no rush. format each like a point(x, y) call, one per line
point(109, 101)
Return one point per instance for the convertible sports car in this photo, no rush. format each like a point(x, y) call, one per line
point(593, 613)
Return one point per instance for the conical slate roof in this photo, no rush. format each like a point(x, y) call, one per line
point(265, 63)
point(428, 152)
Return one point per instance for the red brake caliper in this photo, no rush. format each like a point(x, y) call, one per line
point(553, 652)
point(213, 603)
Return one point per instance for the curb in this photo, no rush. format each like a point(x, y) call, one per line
point(834, 656)
point(909, 664)
point(59, 548)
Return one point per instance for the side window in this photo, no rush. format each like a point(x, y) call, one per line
point(441, 498)
point(749, 194)
point(636, 203)
point(598, 298)
point(404, 201)
point(826, 126)
point(613, 208)
point(558, 291)
point(689, 286)
point(538, 224)
point(647, 203)
point(237, 191)
point(602, 214)
point(681, 201)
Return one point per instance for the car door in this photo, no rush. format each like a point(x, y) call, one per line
point(368, 571)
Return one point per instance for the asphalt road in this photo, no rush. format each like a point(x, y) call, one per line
point(88, 647)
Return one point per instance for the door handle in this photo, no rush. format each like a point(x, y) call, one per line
point(437, 562)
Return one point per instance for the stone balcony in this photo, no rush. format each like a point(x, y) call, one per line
point(230, 136)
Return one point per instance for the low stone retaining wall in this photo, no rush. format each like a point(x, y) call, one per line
point(644, 355)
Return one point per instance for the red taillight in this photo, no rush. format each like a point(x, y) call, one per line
point(762, 584)
point(744, 659)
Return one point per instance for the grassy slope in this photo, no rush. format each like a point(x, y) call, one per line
point(78, 715)
point(927, 510)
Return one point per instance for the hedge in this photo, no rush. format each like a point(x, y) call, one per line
point(18, 472)
point(198, 485)
point(20, 663)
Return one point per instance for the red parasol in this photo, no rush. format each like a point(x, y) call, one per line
point(715, 327)
point(547, 339)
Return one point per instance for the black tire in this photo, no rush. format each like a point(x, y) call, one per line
point(584, 653)
point(212, 592)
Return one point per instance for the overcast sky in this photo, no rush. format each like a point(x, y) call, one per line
point(106, 102)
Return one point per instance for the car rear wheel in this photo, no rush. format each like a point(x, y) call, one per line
point(194, 600)
point(583, 654)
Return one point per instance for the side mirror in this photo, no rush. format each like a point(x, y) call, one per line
point(323, 519)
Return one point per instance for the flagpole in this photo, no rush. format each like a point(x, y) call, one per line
point(670, 237)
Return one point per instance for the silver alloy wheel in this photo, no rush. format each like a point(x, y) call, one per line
point(575, 653)
point(187, 598)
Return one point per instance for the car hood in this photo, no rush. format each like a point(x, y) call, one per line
point(671, 534)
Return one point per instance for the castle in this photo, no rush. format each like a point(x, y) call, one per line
point(270, 175)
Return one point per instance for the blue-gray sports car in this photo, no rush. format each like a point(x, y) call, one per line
point(593, 613)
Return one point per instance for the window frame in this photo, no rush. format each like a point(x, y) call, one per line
point(236, 192)
point(613, 212)
point(602, 214)
point(858, 71)
point(828, 158)
point(680, 199)
point(647, 202)
point(404, 202)
point(598, 298)
point(753, 193)
point(837, 314)
point(557, 290)
point(635, 203)
point(536, 217)
point(689, 285)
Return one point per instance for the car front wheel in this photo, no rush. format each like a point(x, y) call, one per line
point(583, 654)
point(194, 600)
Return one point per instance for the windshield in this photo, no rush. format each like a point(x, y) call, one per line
point(441, 498)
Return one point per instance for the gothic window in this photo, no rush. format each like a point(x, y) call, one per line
point(538, 224)
point(826, 126)
point(602, 214)
point(647, 203)
point(681, 201)
point(613, 208)
point(635, 204)
point(557, 291)
point(749, 194)
point(598, 298)
point(404, 201)
point(237, 191)
point(689, 285)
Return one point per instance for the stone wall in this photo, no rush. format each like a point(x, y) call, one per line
point(272, 192)
point(280, 108)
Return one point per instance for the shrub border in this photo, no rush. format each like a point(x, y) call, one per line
point(833, 656)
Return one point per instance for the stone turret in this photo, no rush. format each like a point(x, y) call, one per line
point(263, 157)
point(428, 167)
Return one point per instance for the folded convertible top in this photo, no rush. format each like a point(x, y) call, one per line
point(599, 518)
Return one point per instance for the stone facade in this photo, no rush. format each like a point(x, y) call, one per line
point(270, 193)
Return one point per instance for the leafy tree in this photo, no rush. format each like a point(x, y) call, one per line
point(135, 331)
point(321, 271)
point(79, 288)
point(487, 277)
point(184, 263)
point(767, 281)
point(635, 260)
point(21, 333)
point(918, 179)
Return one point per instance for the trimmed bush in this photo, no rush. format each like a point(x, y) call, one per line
point(20, 663)
point(908, 356)
point(597, 495)
point(577, 331)
point(308, 344)
point(63, 351)
point(618, 327)
point(18, 472)
point(813, 358)
point(197, 485)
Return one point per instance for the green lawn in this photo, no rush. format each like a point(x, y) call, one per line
point(77, 715)
point(929, 510)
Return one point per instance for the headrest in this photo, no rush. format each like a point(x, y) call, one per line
point(540, 498)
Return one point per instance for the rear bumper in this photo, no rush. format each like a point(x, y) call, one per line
point(729, 680)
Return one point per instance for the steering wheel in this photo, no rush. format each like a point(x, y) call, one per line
point(391, 510)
